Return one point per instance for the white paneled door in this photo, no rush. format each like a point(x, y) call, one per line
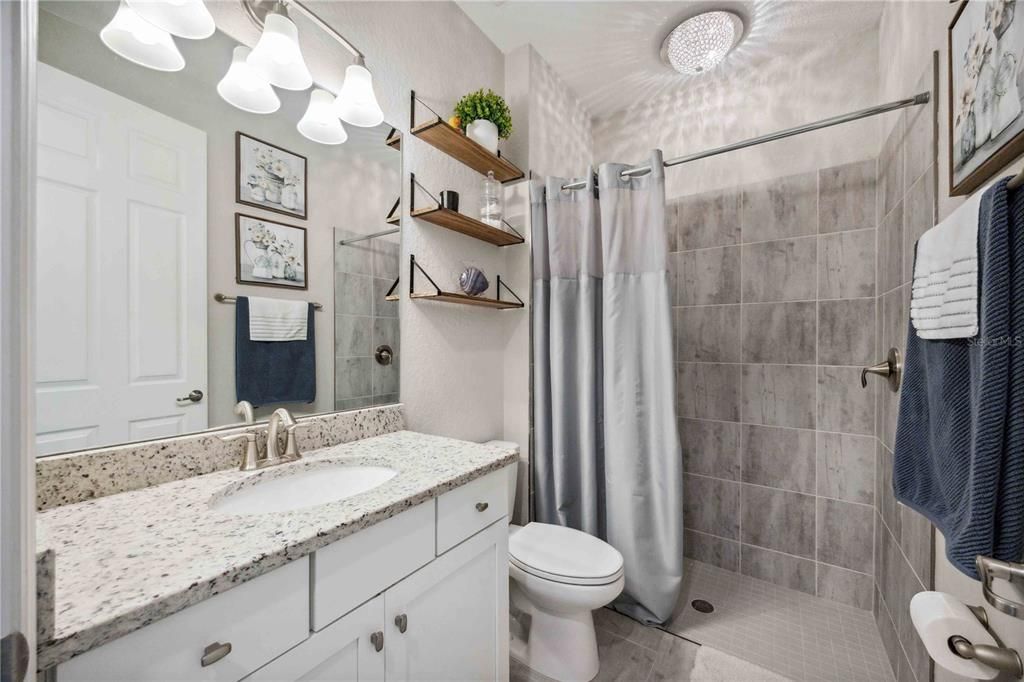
point(120, 270)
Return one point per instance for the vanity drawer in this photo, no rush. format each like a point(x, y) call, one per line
point(472, 507)
point(261, 619)
point(353, 569)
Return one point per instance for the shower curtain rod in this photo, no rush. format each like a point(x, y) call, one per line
point(920, 98)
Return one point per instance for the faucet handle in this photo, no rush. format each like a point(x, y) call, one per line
point(250, 460)
point(291, 450)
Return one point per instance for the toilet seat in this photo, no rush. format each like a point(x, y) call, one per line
point(563, 555)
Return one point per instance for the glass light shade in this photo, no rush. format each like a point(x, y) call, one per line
point(698, 44)
point(139, 41)
point(356, 103)
point(242, 87)
point(185, 18)
point(320, 123)
point(277, 56)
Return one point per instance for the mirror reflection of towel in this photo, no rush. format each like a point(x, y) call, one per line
point(273, 372)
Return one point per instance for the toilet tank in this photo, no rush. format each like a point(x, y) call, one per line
point(513, 477)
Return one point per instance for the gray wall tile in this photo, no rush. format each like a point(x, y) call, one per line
point(708, 391)
point(885, 499)
point(710, 219)
point(352, 294)
point(779, 332)
point(916, 542)
point(920, 151)
point(709, 276)
point(846, 264)
point(779, 520)
point(843, 405)
point(846, 467)
point(711, 448)
point(778, 457)
point(709, 333)
point(890, 167)
point(845, 587)
point(781, 569)
point(846, 332)
point(782, 207)
point(779, 395)
point(352, 378)
point(352, 335)
point(845, 534)
point(784, 270)
point(382, 308)
point(847, 200)
point(919, 217)
point(712, 549)
point(711, 505)
point(890, 249)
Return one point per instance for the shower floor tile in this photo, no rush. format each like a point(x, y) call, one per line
point(794, 634)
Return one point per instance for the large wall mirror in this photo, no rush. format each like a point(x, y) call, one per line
point(161, 208)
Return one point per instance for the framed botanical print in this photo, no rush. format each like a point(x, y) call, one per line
point(986, 90)
point(269, 177)
point(269, 254)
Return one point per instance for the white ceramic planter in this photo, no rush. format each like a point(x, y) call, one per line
point(484, 133)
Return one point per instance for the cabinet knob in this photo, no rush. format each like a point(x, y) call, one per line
point(214, 652)
point(481, 506)
point(377, 640)
point(402, 621)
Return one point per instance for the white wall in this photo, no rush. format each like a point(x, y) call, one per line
point(827, 79)
point(909, 33)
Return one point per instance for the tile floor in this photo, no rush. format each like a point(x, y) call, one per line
point(794, 634)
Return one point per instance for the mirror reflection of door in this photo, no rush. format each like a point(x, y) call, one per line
point(120, 270)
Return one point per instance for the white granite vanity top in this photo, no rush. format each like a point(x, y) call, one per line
point(130, 559)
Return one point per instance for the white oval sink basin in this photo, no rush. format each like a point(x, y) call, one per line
point(306, 488)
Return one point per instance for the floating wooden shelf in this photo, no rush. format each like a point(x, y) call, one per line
point(394, 220)
point(394, 139)
point(452, 142)
point(465, 299)
point(453, 220)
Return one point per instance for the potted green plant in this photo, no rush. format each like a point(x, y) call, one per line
point(485, 117)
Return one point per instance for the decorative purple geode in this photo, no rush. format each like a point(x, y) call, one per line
point(473, 281)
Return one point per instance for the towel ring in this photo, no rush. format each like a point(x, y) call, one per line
point(890, 368)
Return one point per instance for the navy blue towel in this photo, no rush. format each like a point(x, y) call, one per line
point(959, 456)
point(271, 372)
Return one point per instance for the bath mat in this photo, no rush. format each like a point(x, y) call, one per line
point(711, 665)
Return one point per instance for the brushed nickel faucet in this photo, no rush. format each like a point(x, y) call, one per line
point(254, 459)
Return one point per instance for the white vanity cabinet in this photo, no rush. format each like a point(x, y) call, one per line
point(420, 596)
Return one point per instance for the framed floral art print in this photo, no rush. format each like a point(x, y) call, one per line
point(269, 177)
point(986, 88)
point(270, 254)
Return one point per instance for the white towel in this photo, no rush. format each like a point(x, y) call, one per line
point(944, 295)
point(271, 319)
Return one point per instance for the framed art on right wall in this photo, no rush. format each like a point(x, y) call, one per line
point(986, 85)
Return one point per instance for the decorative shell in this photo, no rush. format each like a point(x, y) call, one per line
point(473, 281)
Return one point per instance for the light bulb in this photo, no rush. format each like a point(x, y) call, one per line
point(277, 56)
point(139, 41)
point(356, 103)
point(320, 123)
point(242, 87)
point(185, 18)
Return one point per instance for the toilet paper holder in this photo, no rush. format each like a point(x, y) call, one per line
point(998, 657)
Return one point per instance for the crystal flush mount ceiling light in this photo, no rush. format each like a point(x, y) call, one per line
point(698, 44)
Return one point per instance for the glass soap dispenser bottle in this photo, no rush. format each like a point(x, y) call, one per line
point(490, 202)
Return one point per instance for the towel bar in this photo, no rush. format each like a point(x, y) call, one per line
point(222, 298)
point(989, 568)
point(891, 368)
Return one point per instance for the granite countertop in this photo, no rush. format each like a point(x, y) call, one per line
point(130, 559)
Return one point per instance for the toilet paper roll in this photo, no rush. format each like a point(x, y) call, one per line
point(937, 616)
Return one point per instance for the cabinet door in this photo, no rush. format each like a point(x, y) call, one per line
point(455, 614)
point(342, 651)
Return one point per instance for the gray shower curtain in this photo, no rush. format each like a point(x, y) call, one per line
point(607, 458)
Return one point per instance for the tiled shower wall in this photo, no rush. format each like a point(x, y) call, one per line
point(903, 542)
point(775, 315)
point(363, 320)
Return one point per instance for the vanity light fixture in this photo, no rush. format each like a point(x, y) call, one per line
point(138, 41)
point(701, 42)
point(245, 89)
point(277, 56)
point(184, 18)
point(320, 123)
point(357, 103)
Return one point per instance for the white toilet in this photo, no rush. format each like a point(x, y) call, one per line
point(558, 576)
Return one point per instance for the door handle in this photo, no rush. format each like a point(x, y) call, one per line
point(377, 640)
point(482, 506)
point(194, 396)
point(402, 621)
point(214, 653)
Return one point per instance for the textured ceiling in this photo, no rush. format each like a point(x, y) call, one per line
point(608, 52)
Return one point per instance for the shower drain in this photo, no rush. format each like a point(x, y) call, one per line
point(702, 606)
